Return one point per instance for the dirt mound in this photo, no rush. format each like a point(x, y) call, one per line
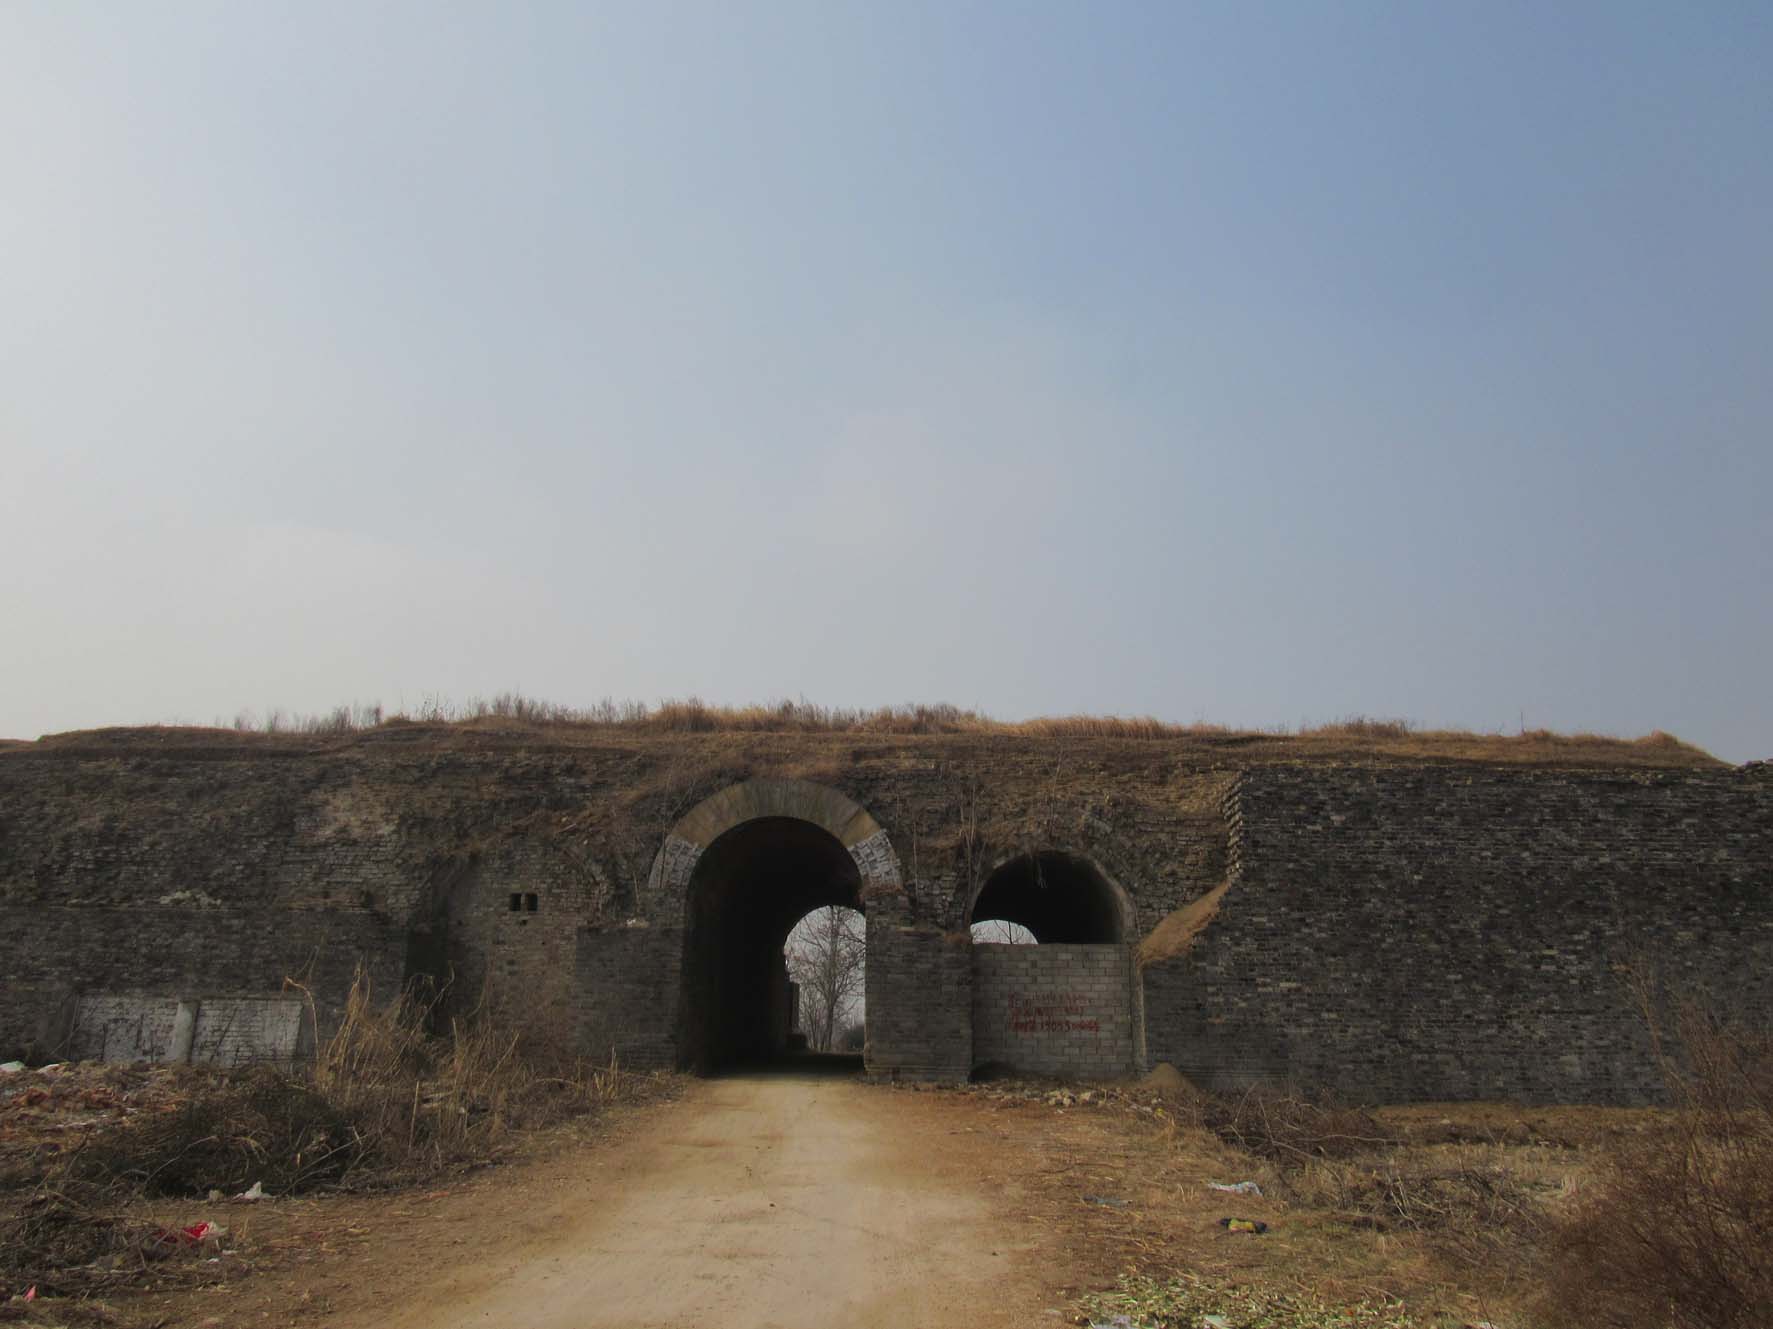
point(1165, 1079)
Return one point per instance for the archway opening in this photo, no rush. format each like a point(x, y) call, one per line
point(827, 956)
point(1059, 898)
point(749, 889)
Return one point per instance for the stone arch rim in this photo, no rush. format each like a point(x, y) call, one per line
point(832, 811)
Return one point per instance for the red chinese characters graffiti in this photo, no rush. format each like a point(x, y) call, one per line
point(1051, 1013)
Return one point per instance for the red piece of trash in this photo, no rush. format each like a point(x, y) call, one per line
point(32, 1294)
point(195, 1235)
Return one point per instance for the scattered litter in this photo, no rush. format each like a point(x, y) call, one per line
point(1255, 1225)
point(11, 1067)
point(1118, 1322)
point(255, 1192)
point(1214, 1322)
point(198, 1235)
point(31, 1293)
point(1107, 1201)
point(1235, 1187)
point(215, 1196)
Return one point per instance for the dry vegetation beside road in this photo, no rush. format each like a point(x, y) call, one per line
point(1096, 1201)
point(104, 1168)
point(1440, 1215)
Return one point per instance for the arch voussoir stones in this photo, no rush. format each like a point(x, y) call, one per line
point(849, 822)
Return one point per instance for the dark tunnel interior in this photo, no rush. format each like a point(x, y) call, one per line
point(750, 887)
point(1059, 897)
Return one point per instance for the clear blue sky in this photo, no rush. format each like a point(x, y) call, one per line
point(1250, 363)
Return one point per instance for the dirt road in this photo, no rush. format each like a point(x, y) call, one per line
point(768, 1201)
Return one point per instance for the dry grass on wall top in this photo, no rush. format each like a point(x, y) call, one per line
point(1351, 738)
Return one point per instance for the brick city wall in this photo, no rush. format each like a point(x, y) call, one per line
point(920, 1002)
point(1445, 933)
point(1054, 1010)
point(60, 955)
point(1397, 931)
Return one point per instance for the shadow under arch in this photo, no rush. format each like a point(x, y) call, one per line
point(1059, 896)
point(750, 862)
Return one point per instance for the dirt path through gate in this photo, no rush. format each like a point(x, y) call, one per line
point(771, 1200)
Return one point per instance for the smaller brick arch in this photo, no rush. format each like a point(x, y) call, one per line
point(800, 800)
point(1085, 903)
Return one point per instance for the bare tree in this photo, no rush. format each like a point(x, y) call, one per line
point(1002, 930)
point(825, 957)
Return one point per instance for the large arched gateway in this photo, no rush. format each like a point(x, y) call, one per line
point(749, 863)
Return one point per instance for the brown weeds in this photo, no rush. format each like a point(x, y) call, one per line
point(384, 1101)
point(1679, 1230)
point(1290, 1128)
point(1383, 736)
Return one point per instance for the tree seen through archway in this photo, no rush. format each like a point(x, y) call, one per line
point(826, 953)
point(1002, 932)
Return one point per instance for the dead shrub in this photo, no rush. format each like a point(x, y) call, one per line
point(1679, 1229)
point(65, 1241)
point(1473, 1210)
point(1290, 1128)
point(426, 1102)
point(262, 1125)
point(383, 1101)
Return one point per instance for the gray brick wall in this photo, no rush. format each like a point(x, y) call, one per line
point(60, 955)
point(1454, 933)
point(1395, 931)
point(919, 984)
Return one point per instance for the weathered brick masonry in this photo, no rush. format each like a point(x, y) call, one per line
point(1447, 933)
point(56, 953)
point(1400, 931)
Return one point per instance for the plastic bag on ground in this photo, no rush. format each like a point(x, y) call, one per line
point(1235, 1187)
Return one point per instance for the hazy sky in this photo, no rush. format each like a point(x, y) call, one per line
point(1249, 363)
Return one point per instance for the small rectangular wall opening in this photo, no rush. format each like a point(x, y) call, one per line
point(530, 903)
point(516, 902)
